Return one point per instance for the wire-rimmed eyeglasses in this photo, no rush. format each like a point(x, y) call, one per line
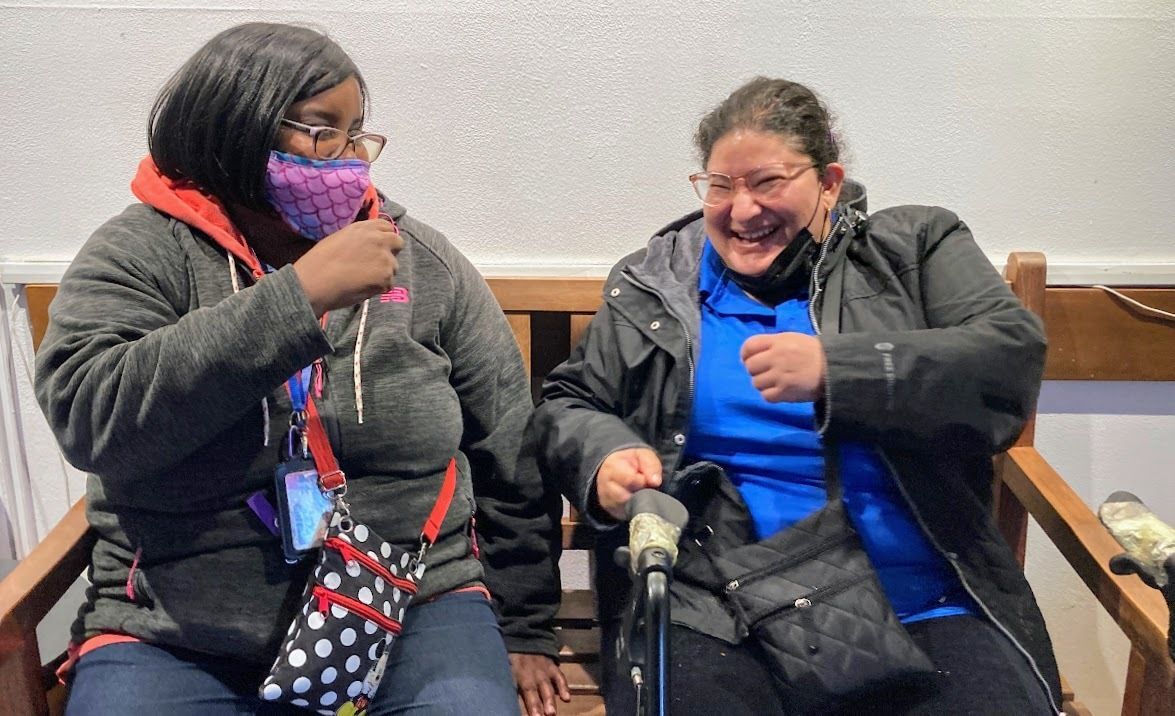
point(330, 143)
point(764, 183)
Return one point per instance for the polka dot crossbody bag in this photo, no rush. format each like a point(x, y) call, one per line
point(336, 649)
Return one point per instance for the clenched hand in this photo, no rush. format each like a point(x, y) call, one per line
point(352, 264)
point(622, 474)
point(785, 367)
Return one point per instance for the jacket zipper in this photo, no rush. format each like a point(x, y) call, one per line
point(351, 552)
point(754, 575)
point(950, 558)
point(473, 545)
point(810, 600)
point(326, 598)
point(817, 289)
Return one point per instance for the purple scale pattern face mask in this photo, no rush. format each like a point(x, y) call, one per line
point(316, 197)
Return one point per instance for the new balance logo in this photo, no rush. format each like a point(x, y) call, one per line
point(397, 294)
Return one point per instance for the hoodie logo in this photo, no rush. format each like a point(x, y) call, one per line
point(396, 294)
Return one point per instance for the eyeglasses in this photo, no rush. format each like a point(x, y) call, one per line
point(765, 183)
point(330, 143)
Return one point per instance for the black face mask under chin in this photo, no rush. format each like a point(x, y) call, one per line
point(787, 274)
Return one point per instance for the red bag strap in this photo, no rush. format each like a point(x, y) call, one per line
point(433, 524)
point(331, 476)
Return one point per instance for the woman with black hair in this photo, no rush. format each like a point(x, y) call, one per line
point(263, 278)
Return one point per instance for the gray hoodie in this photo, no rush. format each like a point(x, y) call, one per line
point(167, 386)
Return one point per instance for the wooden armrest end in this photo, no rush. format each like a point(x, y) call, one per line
point(1072, 526)
point(41, 578)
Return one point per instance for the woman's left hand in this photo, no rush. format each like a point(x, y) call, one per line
point(785, 367)
point(539, 679)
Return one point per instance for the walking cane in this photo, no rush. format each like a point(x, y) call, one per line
point(655, 523)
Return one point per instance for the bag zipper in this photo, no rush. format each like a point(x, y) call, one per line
point(326, 598)
point(351, 552)
point(809, 600)
point(753, 575)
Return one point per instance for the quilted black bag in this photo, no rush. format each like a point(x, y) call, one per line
point(810, 597)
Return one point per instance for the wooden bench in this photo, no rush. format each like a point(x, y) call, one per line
point(548, 315)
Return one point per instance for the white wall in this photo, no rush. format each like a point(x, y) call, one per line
point(558, 133)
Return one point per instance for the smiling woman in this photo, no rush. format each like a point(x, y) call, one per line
point(825, 389)
point(213, 352)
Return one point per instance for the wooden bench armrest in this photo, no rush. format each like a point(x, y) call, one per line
point(1072, 526)
point(27, 594)
point(42, 578)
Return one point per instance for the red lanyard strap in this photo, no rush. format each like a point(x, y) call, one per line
point(330, 476)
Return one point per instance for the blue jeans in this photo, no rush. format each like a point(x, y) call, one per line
point(450, 659)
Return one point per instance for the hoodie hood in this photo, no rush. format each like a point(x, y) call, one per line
point(183, 201)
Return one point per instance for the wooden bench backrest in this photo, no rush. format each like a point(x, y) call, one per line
point(548, 315)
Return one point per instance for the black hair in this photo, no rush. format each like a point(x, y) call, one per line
point(784, 108)
point(216, 120)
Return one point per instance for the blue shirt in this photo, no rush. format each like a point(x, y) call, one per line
point(773, 453)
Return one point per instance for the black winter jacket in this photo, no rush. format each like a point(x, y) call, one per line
point(929, 357)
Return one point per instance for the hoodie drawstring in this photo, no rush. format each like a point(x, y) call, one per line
point(356, 365)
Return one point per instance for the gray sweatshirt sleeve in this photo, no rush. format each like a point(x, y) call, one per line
point(517, 514)
point(132, 378)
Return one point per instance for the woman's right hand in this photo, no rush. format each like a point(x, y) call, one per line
point(622, 474)
point(352, 264)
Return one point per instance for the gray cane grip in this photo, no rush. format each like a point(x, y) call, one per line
point(655, 520)
point(1141, 533)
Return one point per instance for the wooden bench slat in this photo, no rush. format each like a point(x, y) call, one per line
point(577, 535)
point(577, 610)
point(582, 705)
point(582, 678)
point(578, 645)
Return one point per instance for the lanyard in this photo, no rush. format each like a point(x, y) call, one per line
point(331, 478)
point(305, 420)
point(299, 386)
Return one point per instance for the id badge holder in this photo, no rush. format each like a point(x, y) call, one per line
point(303, 509)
